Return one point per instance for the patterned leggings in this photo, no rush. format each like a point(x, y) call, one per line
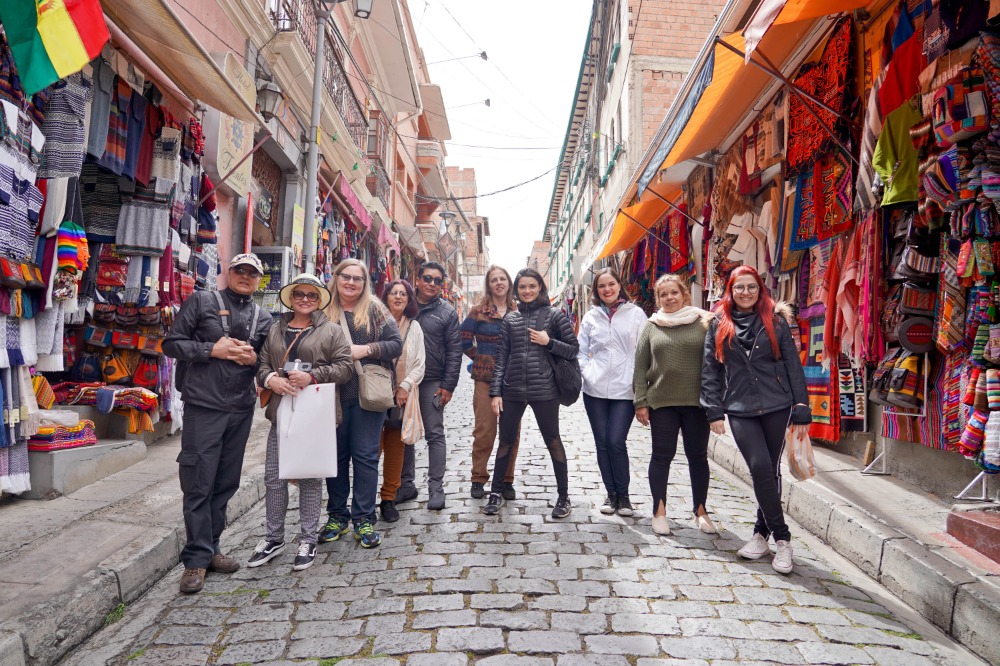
point(276, 502)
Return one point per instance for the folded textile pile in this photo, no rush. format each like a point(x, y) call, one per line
point(54, 438)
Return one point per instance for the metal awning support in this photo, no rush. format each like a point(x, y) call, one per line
point(649, 232)
point(768, 67)
point(215, 186)
point(674, 207)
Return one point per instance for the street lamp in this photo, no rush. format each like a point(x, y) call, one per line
point(446, 217)
point(269, 98)
point(363, 8)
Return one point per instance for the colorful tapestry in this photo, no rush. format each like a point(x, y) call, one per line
point(805, 223)
point(853, 400)
point(821, 384)
point(822, 201)
point(826, 81)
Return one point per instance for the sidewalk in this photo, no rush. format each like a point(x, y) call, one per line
point(895, 533)
point(65, 564)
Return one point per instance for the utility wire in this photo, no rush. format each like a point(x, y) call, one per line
point(489, 194)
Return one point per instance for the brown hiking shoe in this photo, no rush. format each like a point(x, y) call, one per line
point(192, 580)
point(224, 564)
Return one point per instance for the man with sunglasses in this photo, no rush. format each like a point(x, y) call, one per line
point(443, 350)
point(215, 337)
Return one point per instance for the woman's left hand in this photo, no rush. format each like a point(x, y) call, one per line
point(299, 379)
point(401, 396)
point(539, 337)
point(359, 352)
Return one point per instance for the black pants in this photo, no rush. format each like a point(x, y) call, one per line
point(547, 416)
point(211, 459)
point(666, 423)
point(761, 439)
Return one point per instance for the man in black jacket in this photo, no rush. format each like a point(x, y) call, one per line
point(215, 338)
point(443, 351)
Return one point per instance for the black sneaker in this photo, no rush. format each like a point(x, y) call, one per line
point(610, 504)
point(625, 506)
point(390, 513)
point(508, 492)
point(405, 495)
point(265, 552)
point(492, 507)
point(563, 507)
point(478, 491)
point(332, 530)
point(305, 557)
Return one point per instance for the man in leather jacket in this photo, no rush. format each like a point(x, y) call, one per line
point(443, 350)
point(216, 347)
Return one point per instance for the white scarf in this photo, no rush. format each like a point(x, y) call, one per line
point(686, 315)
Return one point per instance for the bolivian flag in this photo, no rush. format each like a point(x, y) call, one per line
point(52, 39)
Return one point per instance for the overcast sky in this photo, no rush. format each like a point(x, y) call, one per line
point(534, 49)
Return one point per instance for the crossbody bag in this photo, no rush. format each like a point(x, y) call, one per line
point(375, 390)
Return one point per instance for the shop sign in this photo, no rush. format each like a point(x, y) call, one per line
point(227, 140)
point(298, 233)
point(476, 283)
point(263, 205)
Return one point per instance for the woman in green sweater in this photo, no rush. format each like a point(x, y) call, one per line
point(667, 385)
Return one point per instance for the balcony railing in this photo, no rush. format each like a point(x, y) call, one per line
point(300, 16)
point(378, 183)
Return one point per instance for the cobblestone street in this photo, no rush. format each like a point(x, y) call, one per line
point(456, 587)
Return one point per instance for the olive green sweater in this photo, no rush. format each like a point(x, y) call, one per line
point(668, 366)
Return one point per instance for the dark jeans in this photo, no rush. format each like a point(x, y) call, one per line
point(761, 439)
point(666, 423)
point(547, 416)
point(358, 444)
point(611, 420)
point(210, 462)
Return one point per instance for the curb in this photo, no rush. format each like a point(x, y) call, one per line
point(47, 632)
point(963, 605)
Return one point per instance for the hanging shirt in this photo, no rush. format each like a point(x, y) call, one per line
point(895, 159)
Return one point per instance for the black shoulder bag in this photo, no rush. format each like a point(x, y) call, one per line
point(569, 379)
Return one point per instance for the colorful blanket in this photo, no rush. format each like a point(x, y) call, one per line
point(853, 396)
point(821, 385)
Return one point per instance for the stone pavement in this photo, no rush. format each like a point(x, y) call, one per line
point(457, 587)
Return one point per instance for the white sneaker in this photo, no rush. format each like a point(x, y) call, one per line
point(782, 562)
point(755, 548)
point(705, 524)
point(661, 525)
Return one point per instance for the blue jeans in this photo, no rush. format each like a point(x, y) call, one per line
point(611, 420)
point(357, 443)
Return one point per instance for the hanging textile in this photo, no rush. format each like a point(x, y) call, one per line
point(821, 384)
point(827, 81)
point(853, 397)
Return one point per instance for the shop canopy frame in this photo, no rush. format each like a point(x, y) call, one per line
point(727, 84)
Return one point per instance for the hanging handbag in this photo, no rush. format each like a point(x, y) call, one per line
point(375, 392)
point(918, 300)
point(10, 274)
point(87, 368)
point(906, 384)
point(960, 109)
point(566, 371)
point(115, 369)
point(394, 417)
point(879, 392)
point(412, 430)
point(147, 374)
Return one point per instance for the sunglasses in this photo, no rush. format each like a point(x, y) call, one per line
point(436, 280)
point(305, 296)
point(359, 279)
point(245, 271)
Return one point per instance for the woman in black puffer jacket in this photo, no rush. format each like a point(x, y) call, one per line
point(523, 376)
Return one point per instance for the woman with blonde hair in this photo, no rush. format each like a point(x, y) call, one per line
point(667, 385)
point(480, 334)
point(374, 339)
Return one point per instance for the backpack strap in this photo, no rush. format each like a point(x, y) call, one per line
point(253, 324)
point(224, 313)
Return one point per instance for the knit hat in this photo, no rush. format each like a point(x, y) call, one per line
point(308, 281)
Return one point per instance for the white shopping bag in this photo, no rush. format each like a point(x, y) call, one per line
point(307, 433)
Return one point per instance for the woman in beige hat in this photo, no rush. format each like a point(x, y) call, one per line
point(305, 334)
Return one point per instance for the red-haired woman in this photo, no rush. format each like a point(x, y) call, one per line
point(753, 375)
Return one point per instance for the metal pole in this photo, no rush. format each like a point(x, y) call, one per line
point(312, 166)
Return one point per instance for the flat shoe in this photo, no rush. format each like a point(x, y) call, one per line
point(661, 526)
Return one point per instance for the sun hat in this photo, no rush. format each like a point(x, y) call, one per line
point(305, 280)
point(247, 259)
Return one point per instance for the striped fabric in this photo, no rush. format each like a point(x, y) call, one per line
point(480, 334)
point(72, 250)
point(65, 134)
point(114, 150)
point(144, 224)
point(20, 205)
point(102, 203)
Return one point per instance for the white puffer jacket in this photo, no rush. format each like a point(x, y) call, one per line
point(607, 350)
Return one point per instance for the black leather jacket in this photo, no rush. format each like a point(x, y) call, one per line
point(442, 343)
point(756, 383)
point(212, 382)
point(522, 371)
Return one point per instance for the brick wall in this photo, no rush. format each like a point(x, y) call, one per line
point(659, 88)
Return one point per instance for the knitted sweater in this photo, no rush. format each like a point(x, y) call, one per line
point(668, 366)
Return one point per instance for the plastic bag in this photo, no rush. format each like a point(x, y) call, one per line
point(801, 462)
point(307, 440)
point(412, 430)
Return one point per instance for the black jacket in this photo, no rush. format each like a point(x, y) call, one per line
point(522, 371)
point(758, 383)
point(442, 343)
point(212, 382)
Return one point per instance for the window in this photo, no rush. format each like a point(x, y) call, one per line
point(377, 131)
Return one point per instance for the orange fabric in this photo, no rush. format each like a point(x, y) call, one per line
point(391, 446)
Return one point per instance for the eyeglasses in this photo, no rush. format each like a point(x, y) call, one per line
point(357, 279)
point(245, 271)
point(305, 296)
point(436, 280)
point(746, 288)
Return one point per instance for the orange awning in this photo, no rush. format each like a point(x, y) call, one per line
point(647, 212)
point(789, 11)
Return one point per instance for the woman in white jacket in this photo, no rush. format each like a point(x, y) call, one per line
point(402, 304)
point(608, 337)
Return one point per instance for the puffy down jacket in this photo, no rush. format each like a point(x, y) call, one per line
point(522, 371)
